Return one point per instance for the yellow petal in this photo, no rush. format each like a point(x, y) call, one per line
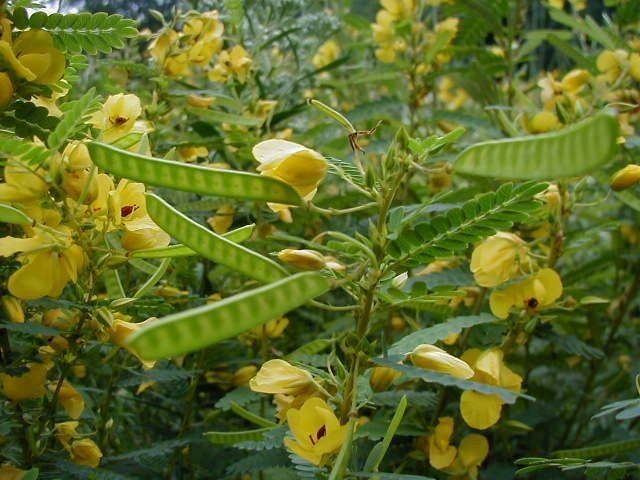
point(473, 450)
point(480, 411)
point(434, 358)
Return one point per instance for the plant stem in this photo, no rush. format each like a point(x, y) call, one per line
point(624, 304)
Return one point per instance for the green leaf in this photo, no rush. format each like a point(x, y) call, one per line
point(211, 245)
point(342, 460)
point(200, 327)
point(438, 332)
point(604, 450)
point(451, 233)
point(238, 235)
point(77, 32)
point(378, 452)
point(113, 284)
point(236, 11)
point(389, 476)
point(9, 214)
point(218, 116)
point(153, 279)
point(25, 151)
point(191, 178)
point(74, 119)
point(230, 438)
point(572, 151)
point(411, 372)
point(252, 417)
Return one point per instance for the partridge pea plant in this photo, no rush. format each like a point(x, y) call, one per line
point(321, 240)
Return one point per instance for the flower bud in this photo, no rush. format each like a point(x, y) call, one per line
point(304, 259)
point(382, 378)
point(626, 177)
point(278, 376)
point(6, 89)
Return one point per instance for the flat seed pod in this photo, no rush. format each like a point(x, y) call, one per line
point(572, 151)
point(191, 178)
point(211, 245)
point(201, 327)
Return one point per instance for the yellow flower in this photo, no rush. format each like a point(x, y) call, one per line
point(243, 375)
point(77, 168)
point(626, 177)
point(33, 56)
point(127, 208)
point(271, 329)
point(304, 259)
point(44, 255)
point(278, 376)
point(6, 89)
point(192, 153)
point(480, 410)
point(399, 9)
point(121, 330)
point(27, 386)
point(65, 432)
point(118, 116)
point(161, 45)
point(498, 259)
point(201, 52)
point(223, 219)
point(13, 308)
point(543, 122)
point(383, 30)
point(70, 399)
point(611, 63)
point(386, 54)
point(295, 164)
point(436, 359)
point(574, 81)
point(382, 378)
point(472, 452)
point(634, 66)
point(200, 102)
point(205, 26)
point(327, 53)
point(454, 97)
point(85, 452)
point(231, 62)
point(316, 429)
point(23, 185)
point(441, 452)
point(9, 472)
point(539, 290)
point(177, 65)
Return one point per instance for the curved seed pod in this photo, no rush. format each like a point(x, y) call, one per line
point(203, 326)
point(231, 438)
point(211, 245)
point(191, 178)
point(9, 214)
point(575, 150)
point(603, 450)
point(238, 235)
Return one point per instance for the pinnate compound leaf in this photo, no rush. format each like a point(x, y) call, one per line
point(431, 335)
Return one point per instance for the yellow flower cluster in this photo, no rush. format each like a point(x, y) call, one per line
point(294, 164)
point(480, 410)
point(317, 432)
point(55, 247)
point(504, 257)
point(195, 46)
point(30, 56)
point(462, 461)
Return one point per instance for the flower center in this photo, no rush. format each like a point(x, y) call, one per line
point(532, 303)
point(322, 432)
point(128, 210)
point(120, 121)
